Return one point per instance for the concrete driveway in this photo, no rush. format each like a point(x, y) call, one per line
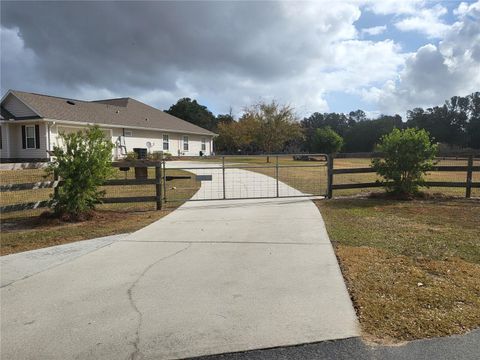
point(209, 278)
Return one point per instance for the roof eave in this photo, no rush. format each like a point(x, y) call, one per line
point(129, 127)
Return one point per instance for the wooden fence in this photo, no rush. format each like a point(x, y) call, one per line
point(140, 180)
point(468, 184)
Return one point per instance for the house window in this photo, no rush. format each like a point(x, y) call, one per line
point(30, 140)
point(128, 133)
point(185, 143)
point(165, 142)
point(204, 144)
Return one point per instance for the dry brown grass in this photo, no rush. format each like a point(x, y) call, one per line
point(412, 267)
point(401, 298)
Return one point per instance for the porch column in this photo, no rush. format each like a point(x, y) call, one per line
point(8, 141)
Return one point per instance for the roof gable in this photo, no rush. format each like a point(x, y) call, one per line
point(16, 107)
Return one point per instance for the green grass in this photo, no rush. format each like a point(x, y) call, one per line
point(412, 267)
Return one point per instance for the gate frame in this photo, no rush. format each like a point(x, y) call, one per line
point(324, 163)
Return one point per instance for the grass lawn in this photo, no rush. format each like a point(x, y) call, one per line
point(25, 230)
point(412, 267)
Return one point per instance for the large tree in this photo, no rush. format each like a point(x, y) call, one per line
point(455, 123)
point(363, 135)
point(191, 111)
point(473, 126)
point(338, 122)
point(263, 128)
point(327, 141)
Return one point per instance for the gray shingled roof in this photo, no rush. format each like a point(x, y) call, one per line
point(125, 112)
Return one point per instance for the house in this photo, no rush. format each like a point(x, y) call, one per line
point(30, 125)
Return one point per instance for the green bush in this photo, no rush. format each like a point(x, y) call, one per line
point(131, 155)
point(327, 141)
point(83, 163)
point(157, 155)
point(408, 155)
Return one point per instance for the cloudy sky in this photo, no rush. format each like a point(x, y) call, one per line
point(376, 55)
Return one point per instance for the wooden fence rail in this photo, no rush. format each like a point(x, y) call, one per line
point(468, 184)
point(55, 184)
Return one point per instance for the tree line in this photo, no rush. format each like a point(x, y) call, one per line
point(272, 127)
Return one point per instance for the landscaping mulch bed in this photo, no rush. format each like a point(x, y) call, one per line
point(29, 233)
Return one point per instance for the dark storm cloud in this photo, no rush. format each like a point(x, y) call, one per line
point(143, 44)
point(222, 53)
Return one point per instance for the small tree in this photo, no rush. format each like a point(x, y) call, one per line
point(83, 164)
point(273, 126)
point(408, 155)
point(327, 141)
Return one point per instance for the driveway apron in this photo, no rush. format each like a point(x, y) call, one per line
point(209, 278)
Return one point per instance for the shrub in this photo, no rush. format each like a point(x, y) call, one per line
point(131, 155)
point(408, 155)
point(327, 141)
point(83, 163)
point(157, 155)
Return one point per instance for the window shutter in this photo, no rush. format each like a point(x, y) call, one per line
point(24, 139)
point(37, 136)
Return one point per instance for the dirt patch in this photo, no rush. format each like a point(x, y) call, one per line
point(22, 234)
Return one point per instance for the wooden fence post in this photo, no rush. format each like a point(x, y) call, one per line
point(164, 180)
point(329, 176)
point(56, 178)
point(468, 191)
point(158, 185)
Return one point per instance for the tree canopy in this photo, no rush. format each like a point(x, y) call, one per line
point(270, 127)
point(191, 111)
point(264, 127)
point(327, 141)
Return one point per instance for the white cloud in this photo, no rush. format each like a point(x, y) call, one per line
point(427, 21)
point(376, 30)
point(397, 7)
point(435, 73)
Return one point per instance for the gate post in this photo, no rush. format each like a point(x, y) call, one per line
point(329, 176)
point(223, 176)
point(158, 185)
point(468, 190)
point(164, 180)
point(276, 175)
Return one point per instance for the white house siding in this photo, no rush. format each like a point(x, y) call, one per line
point(56, 130)
point(139, 139)
point(4, 151)
point(15, 146)
point(17, 108)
